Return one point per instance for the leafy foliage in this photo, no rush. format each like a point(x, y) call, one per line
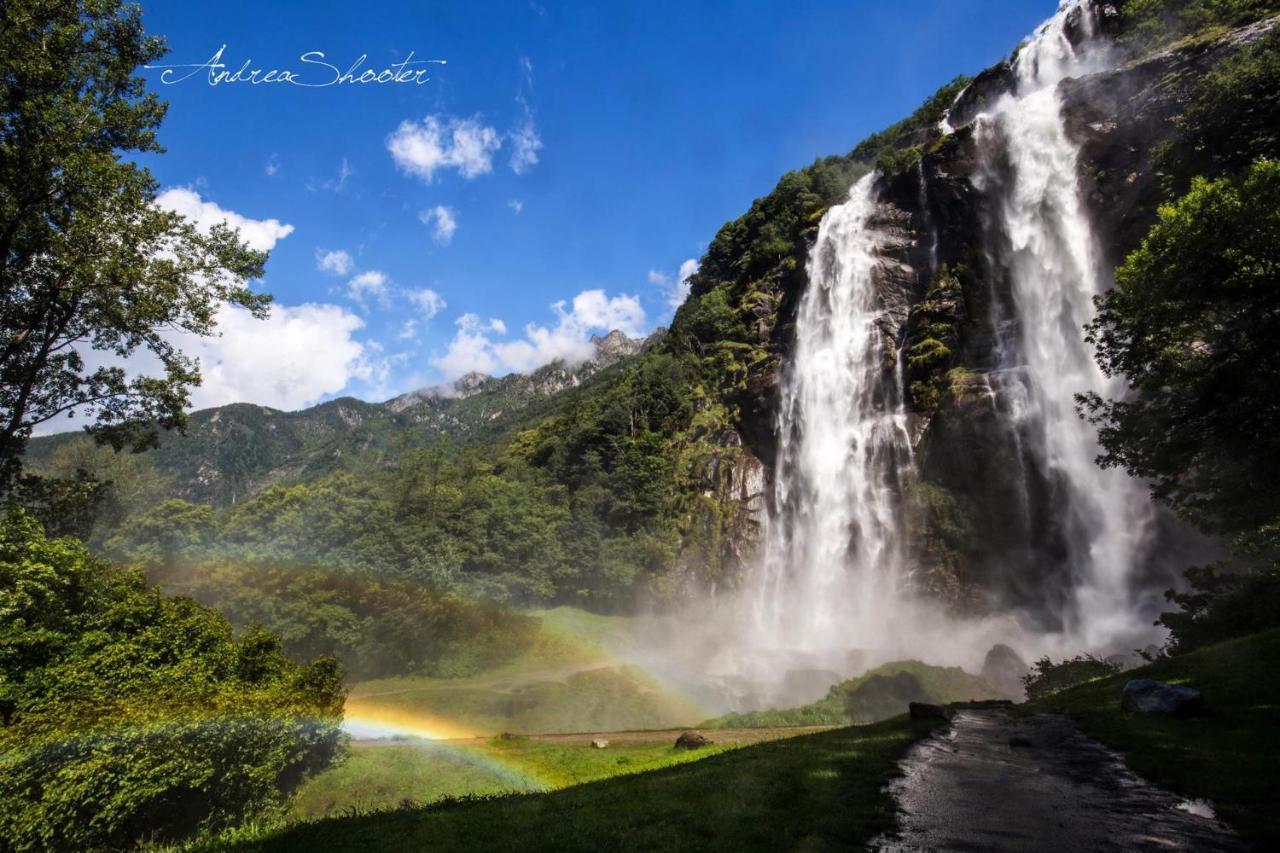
point(1192, 324)
point(131, 716)
point(1148, 24)
point(1221, 605)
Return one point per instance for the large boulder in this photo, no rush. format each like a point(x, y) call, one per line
point(1003, 669)
point(1148, 696)
point(692, 740)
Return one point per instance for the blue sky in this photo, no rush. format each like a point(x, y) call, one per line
point(548, 182)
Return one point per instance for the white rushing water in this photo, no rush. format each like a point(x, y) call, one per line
point(835, 580)
point(834, 554)
point(1055, 272)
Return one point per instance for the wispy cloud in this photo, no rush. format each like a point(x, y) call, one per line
point(445, 221)
point(369, 285)
point(517, 205)
point(427, 301)
point(336, 184)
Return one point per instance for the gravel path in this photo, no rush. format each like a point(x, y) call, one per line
point(998, 783)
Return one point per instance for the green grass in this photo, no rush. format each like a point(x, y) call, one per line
point(1227, 755)
point(815, 792)
point(875, 695)
point(382, 776)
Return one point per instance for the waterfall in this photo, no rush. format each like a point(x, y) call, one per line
point(1054, 272)
point(834, 554)
point(834, 587)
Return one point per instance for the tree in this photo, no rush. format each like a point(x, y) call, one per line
point(91, 270)
point(1193, 324)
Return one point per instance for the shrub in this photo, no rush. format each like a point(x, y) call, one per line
point(1048, 677)
point(131, 717)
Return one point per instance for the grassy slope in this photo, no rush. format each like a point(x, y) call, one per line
point(872, 694)
point(1228, 755)
point(816, 792)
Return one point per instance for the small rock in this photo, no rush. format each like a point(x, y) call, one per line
point(691, 740)
point(1148, 696)
point(926, 711)
point(599, 743)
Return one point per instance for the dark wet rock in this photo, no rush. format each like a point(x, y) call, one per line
point(1148, 696)
point(692, 740)
point(1003, 669)
point(993, 782)
point(928, 711)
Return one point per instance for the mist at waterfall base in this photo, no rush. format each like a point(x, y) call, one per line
point(835, 590)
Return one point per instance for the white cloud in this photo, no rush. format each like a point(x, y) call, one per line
point(681, 291)
point(446, 222)
point(517, 205)
point(272, 168)
point(470, 351)
point(312, 353)
point(525, 145)
point(408, 330)
point(370, 284)
point(260, 234)
point(440, 143)
point(334, 261)
point(677, 290)
point(427, 301)
point(474, 347)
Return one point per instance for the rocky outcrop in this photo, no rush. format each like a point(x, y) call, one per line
point(1148, 696)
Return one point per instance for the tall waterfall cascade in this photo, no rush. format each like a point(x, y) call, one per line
point(835, 579)
point(1055, 272)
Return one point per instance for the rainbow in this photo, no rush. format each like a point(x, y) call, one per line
point(438, 735)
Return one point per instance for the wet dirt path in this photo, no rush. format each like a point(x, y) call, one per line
point(999, 783)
